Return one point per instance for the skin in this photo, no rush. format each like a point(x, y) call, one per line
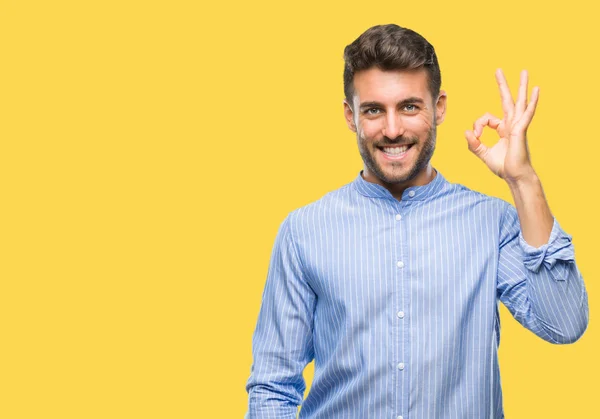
point(394, 108)
point(509, 157)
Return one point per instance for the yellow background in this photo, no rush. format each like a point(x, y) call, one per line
point(151, 149)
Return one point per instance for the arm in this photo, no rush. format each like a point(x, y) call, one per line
point(282, 344)
point(542, 287)
point(534, 213)
point(538, 280)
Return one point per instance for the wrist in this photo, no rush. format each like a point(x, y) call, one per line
point(524, 182)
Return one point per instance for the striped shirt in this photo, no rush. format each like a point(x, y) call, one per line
point(397, 303)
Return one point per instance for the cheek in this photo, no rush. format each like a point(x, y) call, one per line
point(417, 124)
point(369, 129)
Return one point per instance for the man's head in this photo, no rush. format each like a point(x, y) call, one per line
point(392, 87)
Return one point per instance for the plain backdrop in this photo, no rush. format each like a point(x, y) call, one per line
point(150, 150)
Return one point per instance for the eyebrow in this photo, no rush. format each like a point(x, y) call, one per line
point(407, 101)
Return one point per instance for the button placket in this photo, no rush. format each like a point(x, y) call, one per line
point(399, 217)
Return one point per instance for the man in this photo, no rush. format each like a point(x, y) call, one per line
point(391, 283)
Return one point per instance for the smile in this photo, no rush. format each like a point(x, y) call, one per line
point(395, 153)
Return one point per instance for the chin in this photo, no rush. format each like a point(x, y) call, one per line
point(395, 177)
point(394, 180)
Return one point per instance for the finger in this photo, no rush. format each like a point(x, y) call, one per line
point(522, 97)
point(476, 146)
point(507, 101)
point(486, 120)
point(530, 111)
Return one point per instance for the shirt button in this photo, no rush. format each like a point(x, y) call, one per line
point(411, 193)
point(400, 264)
point(398, 217)
point(401, 366)
point(400, 314)
point(399, 417)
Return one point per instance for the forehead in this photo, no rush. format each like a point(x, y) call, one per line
point(390, 86)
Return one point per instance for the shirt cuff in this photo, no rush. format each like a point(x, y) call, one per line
point(558, 248)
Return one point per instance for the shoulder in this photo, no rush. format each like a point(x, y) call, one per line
point(473, 198)
point(332, 204)
point(484, 211)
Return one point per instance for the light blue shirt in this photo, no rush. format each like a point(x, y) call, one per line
point(397, 303)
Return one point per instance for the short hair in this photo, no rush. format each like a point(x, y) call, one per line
point(390, 47)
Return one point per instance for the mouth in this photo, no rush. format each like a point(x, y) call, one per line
point(395, 152)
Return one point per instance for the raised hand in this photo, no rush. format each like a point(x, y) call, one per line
point(509, 157)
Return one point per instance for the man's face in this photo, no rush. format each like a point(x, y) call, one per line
point(393, 110)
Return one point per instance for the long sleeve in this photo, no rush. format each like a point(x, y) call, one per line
point(282, 344)
point(542, 287)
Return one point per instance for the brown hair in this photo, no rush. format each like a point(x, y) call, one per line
point(390, 47)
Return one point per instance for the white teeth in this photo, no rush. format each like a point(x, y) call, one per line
point(395, 150)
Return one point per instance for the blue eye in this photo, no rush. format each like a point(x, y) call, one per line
point(410, 107)
point(368, 111)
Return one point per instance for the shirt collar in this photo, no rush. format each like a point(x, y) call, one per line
point(413, 193)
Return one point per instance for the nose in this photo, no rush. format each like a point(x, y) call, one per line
point(393, 125)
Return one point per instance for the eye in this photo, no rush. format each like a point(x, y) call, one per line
point(411, 107)
point(368, 111)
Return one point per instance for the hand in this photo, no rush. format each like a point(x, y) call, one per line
point(509, 157)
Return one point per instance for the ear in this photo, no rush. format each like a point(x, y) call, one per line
point(349, 115)
point(440, 107)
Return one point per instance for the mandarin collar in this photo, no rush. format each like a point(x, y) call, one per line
point(413, 193)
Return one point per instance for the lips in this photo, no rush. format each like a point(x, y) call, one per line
point(395, 152)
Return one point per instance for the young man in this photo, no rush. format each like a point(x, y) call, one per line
point(391, 282)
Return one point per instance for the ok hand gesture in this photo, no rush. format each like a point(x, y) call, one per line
point(509, 157)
